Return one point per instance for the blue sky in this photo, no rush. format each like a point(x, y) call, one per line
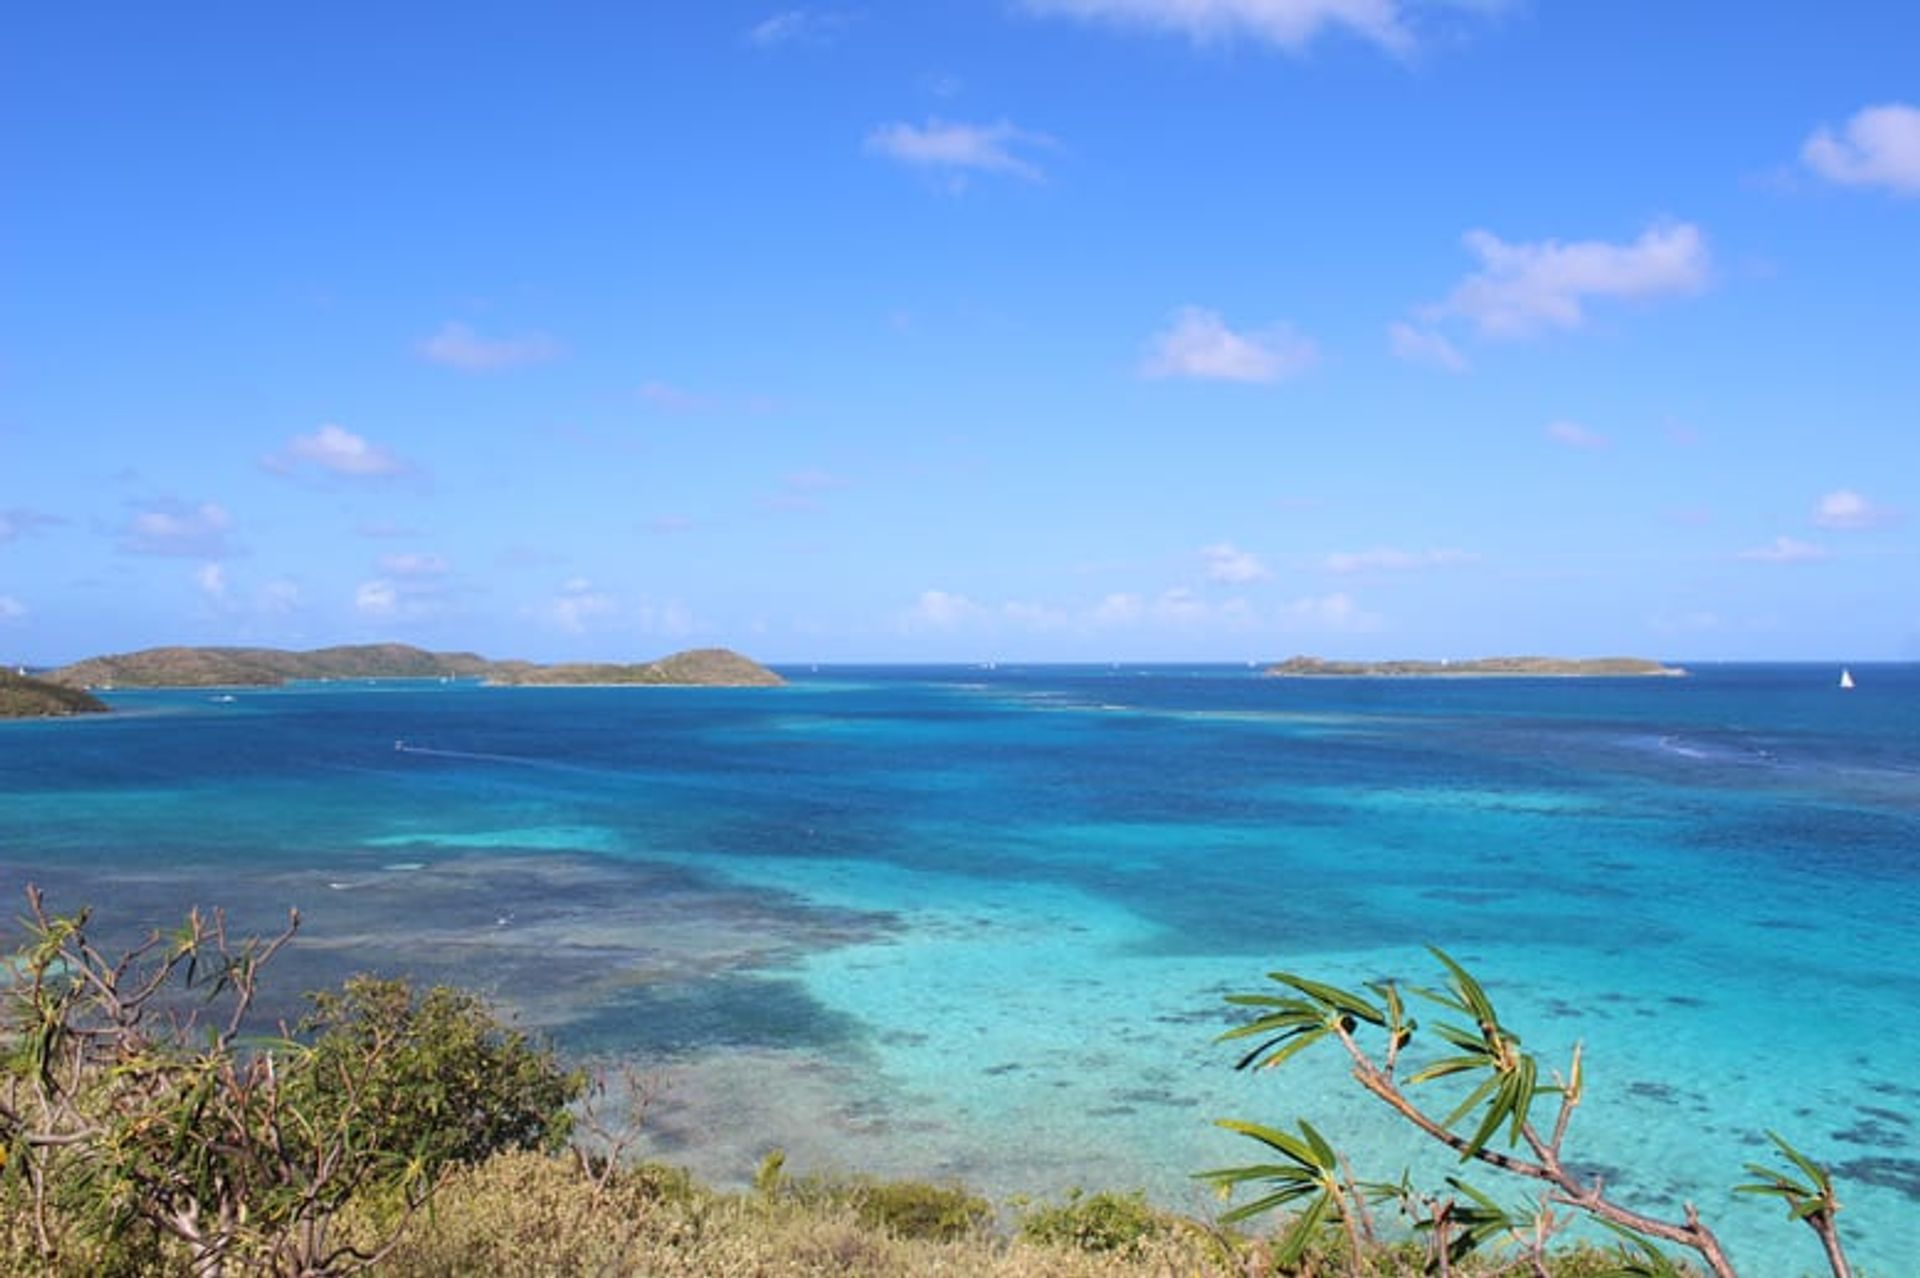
point(1010, 329)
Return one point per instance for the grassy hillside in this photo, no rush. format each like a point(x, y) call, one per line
point(25, 698)
point(715, 667)
point(269, 667)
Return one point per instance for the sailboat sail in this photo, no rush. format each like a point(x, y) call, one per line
point(1846, 678)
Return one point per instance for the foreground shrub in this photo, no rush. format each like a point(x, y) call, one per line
point(1104, 1221)
point(139, 1125)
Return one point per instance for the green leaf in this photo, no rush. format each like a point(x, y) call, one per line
point(1474, 1097)
point(1451, 1065)
point(1326, 1159)
point(1333, 996)
point(1305, 1225)
point(1291, 1146)
point(1471, 995)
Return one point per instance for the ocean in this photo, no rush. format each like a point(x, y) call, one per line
point(959, 922)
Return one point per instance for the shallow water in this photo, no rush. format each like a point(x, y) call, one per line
point(978, 923)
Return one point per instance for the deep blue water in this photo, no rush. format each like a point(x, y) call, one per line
point(978, 922)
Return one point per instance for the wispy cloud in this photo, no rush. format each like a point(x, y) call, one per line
point(17, 522)
point(797, 26)
point(1878, 146)
point(958, 149)
point(1522, 289)
point(458, 346)
point(1227, 562)
point(1785, 550)
point(1286, 24)
point(212, 580)
point(669, 398)
point(1845, 508)
point(335, 450)
point(11, 609)
point(415, 565)
point(178, 529)
point(1389, 559)
point(805, 490)
point(577, 604)
point(1177, 609)
point(1198, 344)
point(1573, 435)
point(1338, 612)
point(1425, 346)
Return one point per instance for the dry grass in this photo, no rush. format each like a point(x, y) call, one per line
point(528, 1215)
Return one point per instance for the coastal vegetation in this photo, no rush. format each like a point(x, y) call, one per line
point(181, 667)
point(1493, 1125)
point(1482, 667)
point(707, 667)
point(24, 697)
point(147, 1127)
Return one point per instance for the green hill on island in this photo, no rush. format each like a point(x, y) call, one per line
point(269, 667)
point(1482, 667)
point(22, 697)
point(706, 667)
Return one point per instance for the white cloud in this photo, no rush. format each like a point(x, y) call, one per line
point(1845, 508)
point(1119, 609)
point(1335, 612)
point(1226, 562)
point(414, 564)
point(337, 451)
point(960, 148)
point(378, 598)
point(578, 603)
point(11, 609)
point(1879, 146)
point(1199, 344)
point(458, 346)
point(1522, 289)
point(212, 580)
point(1388, 559)
point(1288, 24)
point(1574, 435)
point(941, 610)
point(1785, 550)
point(1424, 346)
point(796, 26)
point(176, 528)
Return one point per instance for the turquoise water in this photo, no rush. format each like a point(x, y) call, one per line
point(949, 921)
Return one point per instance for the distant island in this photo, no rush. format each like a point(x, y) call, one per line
point(22, 697)
point(271, 667)
point(1482, 667)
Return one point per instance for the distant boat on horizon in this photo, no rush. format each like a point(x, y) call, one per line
point(1846, 677)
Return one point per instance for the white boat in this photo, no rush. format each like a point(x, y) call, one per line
point(1846, 678)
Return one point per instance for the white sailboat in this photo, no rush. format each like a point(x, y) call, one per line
point(1846, 677)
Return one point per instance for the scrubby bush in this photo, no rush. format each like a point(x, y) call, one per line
point(1103, 1221)
point(138, 1123)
